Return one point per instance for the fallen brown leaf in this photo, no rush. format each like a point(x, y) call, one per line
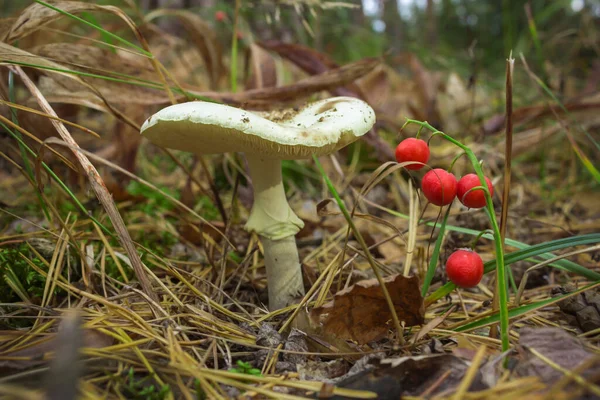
point(360, 312)
point(261, 70)
point(421, 376)
point(556, 345)
point(309, 60)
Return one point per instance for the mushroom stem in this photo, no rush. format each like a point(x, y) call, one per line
point(276, 223)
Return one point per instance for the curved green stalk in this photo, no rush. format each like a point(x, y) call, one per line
point(435, 256)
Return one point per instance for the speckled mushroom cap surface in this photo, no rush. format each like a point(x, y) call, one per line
point(318, 128)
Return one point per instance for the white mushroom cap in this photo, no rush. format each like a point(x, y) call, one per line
point(318, 128)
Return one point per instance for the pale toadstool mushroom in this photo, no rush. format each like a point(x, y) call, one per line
point(266, 138)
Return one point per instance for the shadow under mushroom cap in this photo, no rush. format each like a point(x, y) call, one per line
point(209, 128)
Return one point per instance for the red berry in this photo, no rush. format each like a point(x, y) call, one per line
point(412, 149)
point(464, 268)
point(475, 198)
point(220, 16)
point(439, 186)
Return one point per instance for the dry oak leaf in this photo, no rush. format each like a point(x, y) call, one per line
point(360, 312)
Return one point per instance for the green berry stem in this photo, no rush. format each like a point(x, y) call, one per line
point(476, 239)
point(484, 188)
point(455, 160)
point(501, 276)
point(418, 132)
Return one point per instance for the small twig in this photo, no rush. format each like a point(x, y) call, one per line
point(510, 63)
point(436, 384)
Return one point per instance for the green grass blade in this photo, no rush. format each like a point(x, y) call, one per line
point(519, 311)
point(59, 182)
point(435, 256)
point(26, 163)
point(564, 264)
point(544, 251)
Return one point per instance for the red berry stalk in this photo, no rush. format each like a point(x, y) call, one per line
point(500, 267)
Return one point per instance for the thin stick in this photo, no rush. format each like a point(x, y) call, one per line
point(510, 63)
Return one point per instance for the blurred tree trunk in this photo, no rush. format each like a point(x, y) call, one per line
point(357, 16)
point(431, 24)
point(390, 12)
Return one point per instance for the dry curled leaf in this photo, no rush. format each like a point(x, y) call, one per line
point(309, 60)
point(37, 15)
point(360, 312)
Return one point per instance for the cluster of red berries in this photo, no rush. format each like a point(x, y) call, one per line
point(440, 187)
point(464, 267)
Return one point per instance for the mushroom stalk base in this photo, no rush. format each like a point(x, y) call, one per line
point(284, 273)
point(274, 221)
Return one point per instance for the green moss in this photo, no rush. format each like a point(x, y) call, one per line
point(18, 280)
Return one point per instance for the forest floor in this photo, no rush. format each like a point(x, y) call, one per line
point(126, 272)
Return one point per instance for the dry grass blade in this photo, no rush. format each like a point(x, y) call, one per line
point(470, 375)
point(38, 15)
point(64, 121)
point(5, 27)
point(53, 140)
point(12, 55)
point(99, 188)
point(510, 63)
point(81, 57)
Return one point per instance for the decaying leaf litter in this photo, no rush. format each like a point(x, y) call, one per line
point(68, 263)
